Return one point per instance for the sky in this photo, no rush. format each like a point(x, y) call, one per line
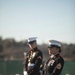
point(45, 19)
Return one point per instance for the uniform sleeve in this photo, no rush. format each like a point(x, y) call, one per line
point(38, 61)
point(58, 68)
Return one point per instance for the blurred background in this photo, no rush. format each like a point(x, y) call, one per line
point(45, 19)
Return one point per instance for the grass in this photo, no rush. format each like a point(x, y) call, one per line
point(69, 68)
point(13, 67)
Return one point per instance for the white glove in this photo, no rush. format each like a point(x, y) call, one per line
point(25, 73)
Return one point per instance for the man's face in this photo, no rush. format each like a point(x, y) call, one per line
point(53, 50)
point(32, 45)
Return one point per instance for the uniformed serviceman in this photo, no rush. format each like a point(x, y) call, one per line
point(55, 62)
point(33, 58)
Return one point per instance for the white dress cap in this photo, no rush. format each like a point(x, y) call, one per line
point(32, 39)
point(54, 42)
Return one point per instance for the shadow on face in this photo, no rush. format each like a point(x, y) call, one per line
point(53, 50)
point(33, 45)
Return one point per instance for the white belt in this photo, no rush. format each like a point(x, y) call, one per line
point(31, 64)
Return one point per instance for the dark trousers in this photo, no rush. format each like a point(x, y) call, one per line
point(34, 73)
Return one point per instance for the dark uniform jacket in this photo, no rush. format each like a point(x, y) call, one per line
point(54, 65)
point(33, 61)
